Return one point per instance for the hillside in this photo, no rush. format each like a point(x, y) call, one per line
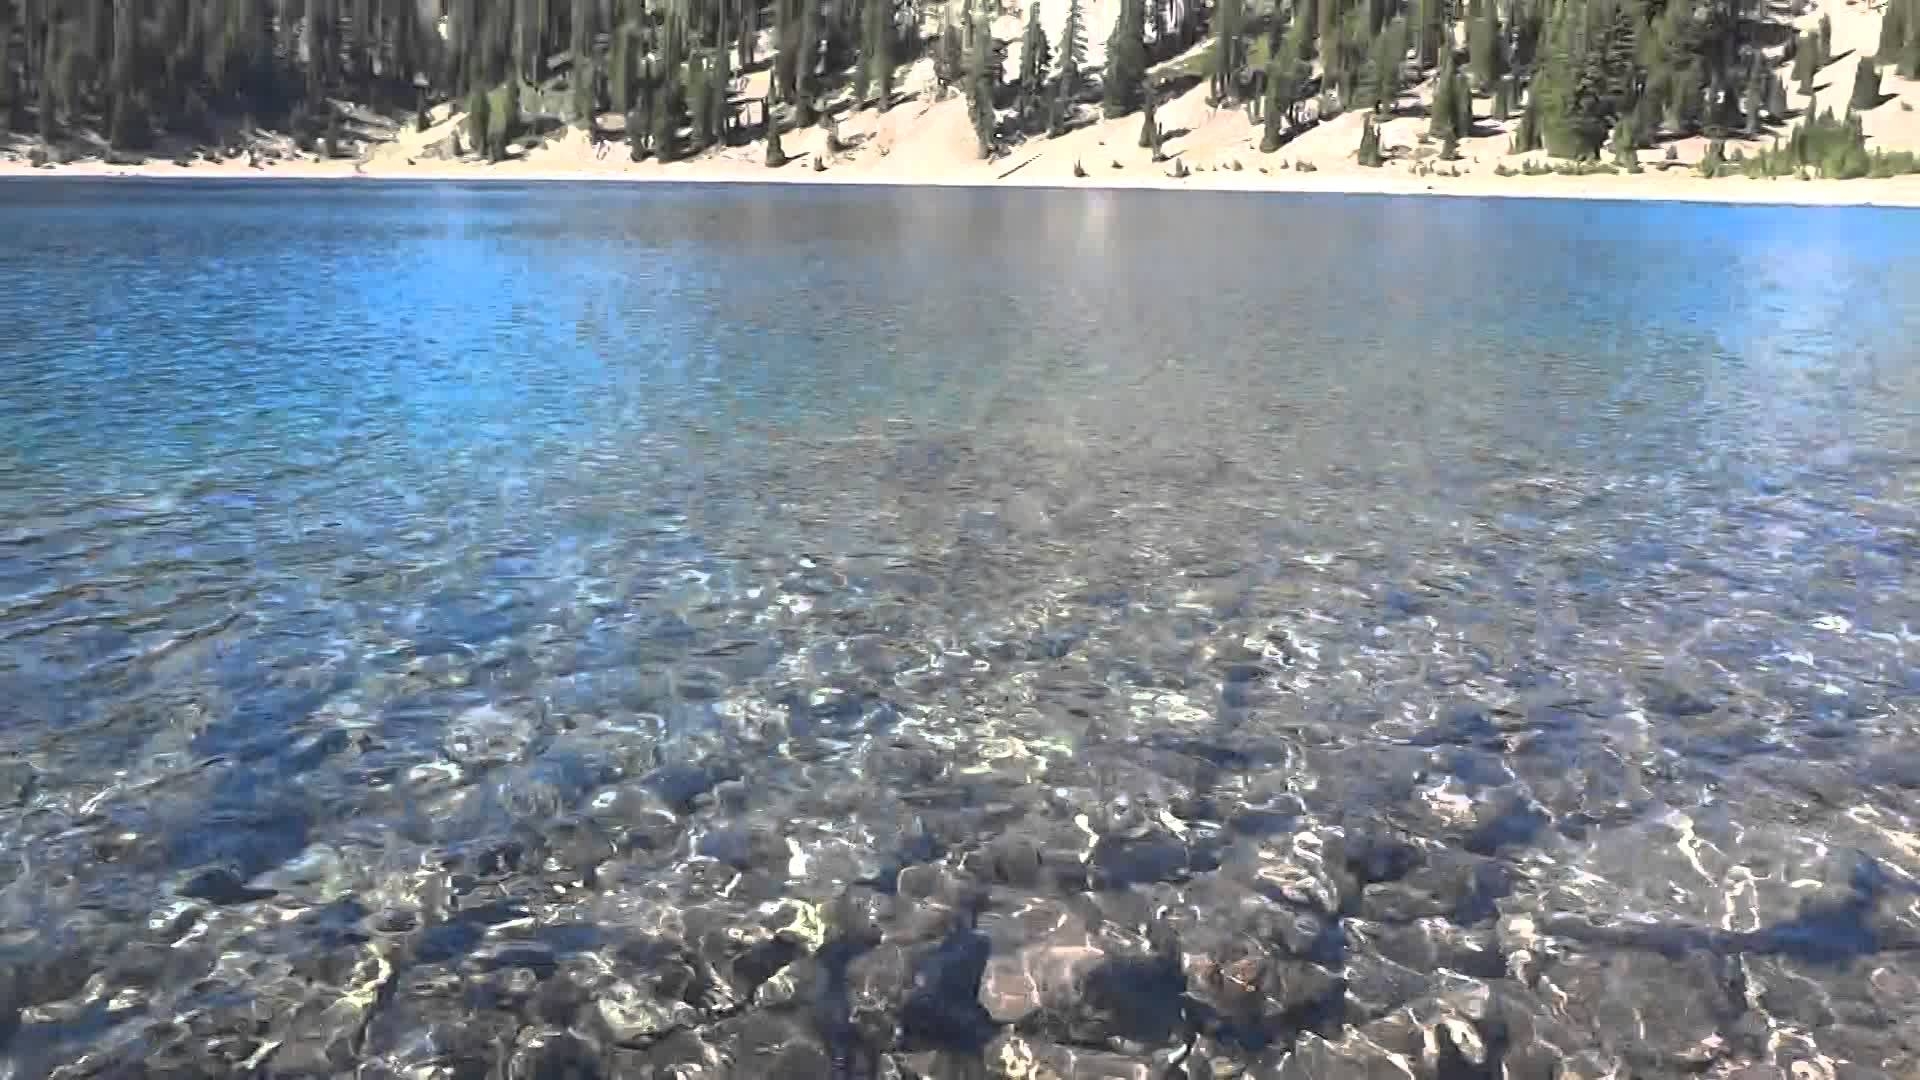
point(929, 134)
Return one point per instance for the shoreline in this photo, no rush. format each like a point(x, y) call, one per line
point(1894, 193)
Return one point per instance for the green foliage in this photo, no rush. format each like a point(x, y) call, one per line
point(1800, 49)
point(1715, 161)
point(1369, 154)
point(776, 154)
point(1229, 52)
point(1444, 122)
point(478, 121)
point(1588, 75)
point(503, 119)
point(1625, 143)
point(949, 58)
point(1527, 135)
point(1866, 86)
point(1035, 55)
point(1149, 127)
point(1900, 37)
point(1503, 99)
point(1286, 77)
point(1830, 148)
point(1126, 60)
point(983, 79)
point(1073, 52)
point(1381, 82)
point(1486, 47)
point(873, 69)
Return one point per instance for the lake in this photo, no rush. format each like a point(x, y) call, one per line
point(671, 631)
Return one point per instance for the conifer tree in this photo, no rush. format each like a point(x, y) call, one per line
point(1893, 31)
point(883, 57)
point(1866, 86)
point(1715, 160)
point(1126, 60)
point(478, 121)
point(1035, 57)
point(1444, 122)
point(1485, 46)
point(583, 66)
point(1073, 52)
point(1380, 86)
point(1369, 154)
point(1227, 51)
point(1527, 136)
point(949, 59)
point(981, 83)
point(1149, 126)
point(1625, 143)
point(1803, 58)
point(776, 155)
point(806, 59)
point(1285, 74)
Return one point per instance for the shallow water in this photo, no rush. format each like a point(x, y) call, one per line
point(567, 631)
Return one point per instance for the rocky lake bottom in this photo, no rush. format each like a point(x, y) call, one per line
point(713, 635)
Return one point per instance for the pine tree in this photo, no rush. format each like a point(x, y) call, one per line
point(478, 122)
point(1381, 83)
point(776, 156)
point(1715, 161)
point(1429, 36)
point(1753, 101)
point(981, 83)
point(1803, 57)
point(1893, 31)
point(1625, 143)
point(1866, 86)
point(1285, 73)
point(1073, 52)
point(1369, 154)
point(1126, 60)
point(883, 57)
point(1527, 136)
point(1485, 47)
point(949, 59)
point(1445, 109)
point(806, 60)
point(1227, 52)
point(583, 64)
point(1149, 126)
point(1035, 57)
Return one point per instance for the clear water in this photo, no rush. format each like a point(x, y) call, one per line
point(658, 631)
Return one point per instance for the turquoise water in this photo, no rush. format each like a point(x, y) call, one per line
point(876, 632)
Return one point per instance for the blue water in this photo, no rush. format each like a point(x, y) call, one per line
point(431, 616)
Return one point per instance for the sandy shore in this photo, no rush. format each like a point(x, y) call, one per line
point(924, 141)
point(1900, 192)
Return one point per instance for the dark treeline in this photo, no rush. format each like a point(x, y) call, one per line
point(1582, 75)
point(134, 68)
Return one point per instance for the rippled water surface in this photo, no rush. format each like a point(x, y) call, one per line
point(664, 632)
